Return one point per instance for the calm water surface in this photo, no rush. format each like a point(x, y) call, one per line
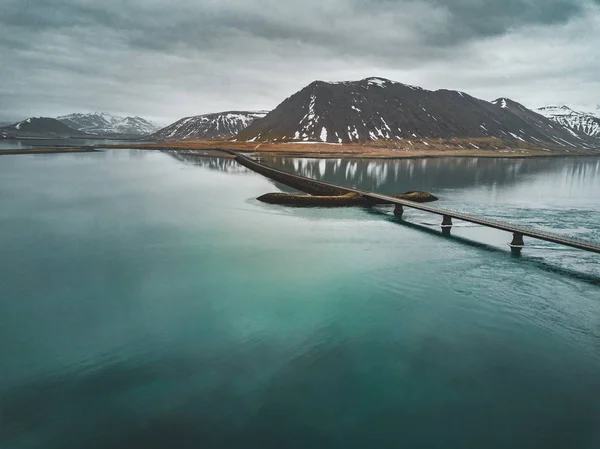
point(150, 302)
point(25, 144)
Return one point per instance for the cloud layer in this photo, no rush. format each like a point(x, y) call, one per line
point(167, 59)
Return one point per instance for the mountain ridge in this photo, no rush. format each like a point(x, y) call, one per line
point(214, 126)
point(580, 121)
point(39, 127)
point(376, 108)
point(109, 125)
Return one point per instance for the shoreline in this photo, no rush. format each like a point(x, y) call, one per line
point(323, 151)
point(433, 148)
point(18, 151)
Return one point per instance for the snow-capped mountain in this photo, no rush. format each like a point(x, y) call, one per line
point(581, 122)
point(380, 109)
point(39, 127)
point(103, 124)
point(217, 126)
point(135, 125)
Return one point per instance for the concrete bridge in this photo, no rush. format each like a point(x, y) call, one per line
point(315, 187)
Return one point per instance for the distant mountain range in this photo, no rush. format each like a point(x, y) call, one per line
point(582, 122)
point(379, 109)
point(92, 125)
point(365, 111)
point(103, 124)
point(217, 126)
point(40, 127)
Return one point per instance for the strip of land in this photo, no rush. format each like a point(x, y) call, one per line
point(47, 150)
point(484, 147)
point(423, 148)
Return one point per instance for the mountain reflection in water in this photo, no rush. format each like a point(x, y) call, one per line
point(399, 175)
point(223, 164)
point(429, 174)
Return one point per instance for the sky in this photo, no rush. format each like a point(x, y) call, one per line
point(166, 59)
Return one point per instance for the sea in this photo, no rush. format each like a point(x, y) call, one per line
point(148, 300)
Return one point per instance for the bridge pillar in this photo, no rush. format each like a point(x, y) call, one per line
point(369, 202)
point(447, 221)
point(517, 241)
point(398, 210)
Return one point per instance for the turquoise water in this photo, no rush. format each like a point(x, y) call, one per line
point(147, 302)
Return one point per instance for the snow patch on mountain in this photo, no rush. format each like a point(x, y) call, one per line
point(217, 126)
point(103, 124)
point(324, 134)
point(581, 122)
point(20, 124)
point(502, 102)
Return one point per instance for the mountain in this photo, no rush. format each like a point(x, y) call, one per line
point(39, 127)
point(581, 122)
point(135, 126)
point(103, 124)
point(222, 125)
point(379, 109)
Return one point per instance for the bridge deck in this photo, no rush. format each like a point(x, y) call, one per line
point(528, 231)
point(587, 245)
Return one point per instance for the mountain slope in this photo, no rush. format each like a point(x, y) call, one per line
point(580, 122)
point(103, 124)
point(40, 127)
point(222, 125)
point(136, 126)
point(380, 109)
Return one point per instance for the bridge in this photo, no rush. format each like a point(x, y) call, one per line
point(313, 186)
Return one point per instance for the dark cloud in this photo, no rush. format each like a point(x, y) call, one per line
point(169, 24)
point(175, 57)
point(472, 19)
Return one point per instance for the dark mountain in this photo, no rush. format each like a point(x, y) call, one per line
point(218, 126)
point(380, 109)
point(40, 127)
point(103, 124)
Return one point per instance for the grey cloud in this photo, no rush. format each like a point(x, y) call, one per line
point(172, 58)
point(469, 19)
point(360, 25)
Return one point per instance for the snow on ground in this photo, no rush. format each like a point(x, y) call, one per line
point(517, 137)
point(323, 134)
point(312, 142)
point(377, 82)
point(580, 121)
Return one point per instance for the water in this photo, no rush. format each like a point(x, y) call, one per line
point(27, 144)
point(149, 302)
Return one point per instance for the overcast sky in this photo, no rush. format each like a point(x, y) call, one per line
point(165, 59)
